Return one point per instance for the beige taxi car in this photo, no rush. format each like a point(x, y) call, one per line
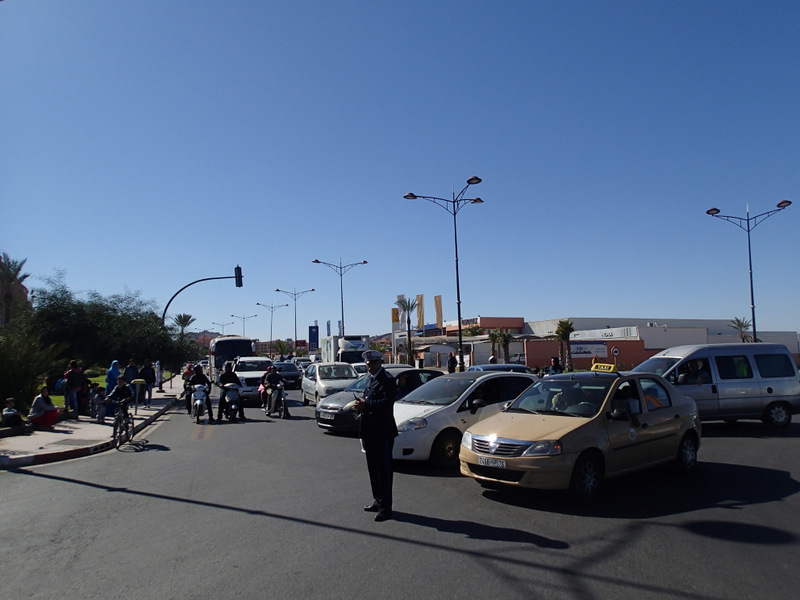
point(571, 431)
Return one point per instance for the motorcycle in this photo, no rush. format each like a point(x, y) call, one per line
point(230, 392)
point(277, 401)
point(199, 393)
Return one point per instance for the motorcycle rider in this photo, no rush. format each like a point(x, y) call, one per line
point(199, 378)
point(228, 376)
point(271, 379)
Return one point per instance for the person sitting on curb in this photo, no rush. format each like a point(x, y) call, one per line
point(11, 416)
point(43, 413)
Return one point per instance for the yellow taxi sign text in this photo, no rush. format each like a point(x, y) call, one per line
point(604, 368)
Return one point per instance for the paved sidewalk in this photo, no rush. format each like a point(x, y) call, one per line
point(73, 439)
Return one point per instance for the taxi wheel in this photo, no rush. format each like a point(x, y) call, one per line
point(444, 452)
point(687, 454)
point(777, 415)
point(586, 477)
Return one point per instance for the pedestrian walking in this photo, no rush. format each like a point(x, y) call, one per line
point(377, 431)
point(452, 363)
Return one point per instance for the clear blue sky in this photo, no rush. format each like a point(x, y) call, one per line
point(147, 144)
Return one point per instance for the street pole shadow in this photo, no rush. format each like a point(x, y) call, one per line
point(480, 531)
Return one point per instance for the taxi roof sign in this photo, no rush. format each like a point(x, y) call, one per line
point(604, 368)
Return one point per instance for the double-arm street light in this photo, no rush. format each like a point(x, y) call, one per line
point(453, 205)
point(243, 319)
point(341, 270)
point(222, 325)
point(747, 224)
point(294, 295)
point(271, 308)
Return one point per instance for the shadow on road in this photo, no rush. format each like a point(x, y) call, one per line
point(748, 429)
point(662, 492)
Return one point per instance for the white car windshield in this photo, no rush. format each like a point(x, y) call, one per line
point(337, 372)
point(252, 365)
point(658, 365)
point(440, 391)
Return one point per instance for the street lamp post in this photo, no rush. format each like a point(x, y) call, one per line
point(747, 224)
point(243, 319)
point(341, 270)
point(452, 206)
point(222, 325)
point(294, 295)
point(271, 308)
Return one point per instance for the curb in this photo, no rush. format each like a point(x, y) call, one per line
point(16, 462)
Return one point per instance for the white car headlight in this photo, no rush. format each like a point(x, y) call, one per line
point(546, 448)
point(466, 440)
point(412, 424)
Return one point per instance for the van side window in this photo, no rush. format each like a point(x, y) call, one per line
point(774, 365)
point(655, 396)
point(734, 367)
point(695, 371)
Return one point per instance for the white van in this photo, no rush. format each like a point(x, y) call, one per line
point(733, 381)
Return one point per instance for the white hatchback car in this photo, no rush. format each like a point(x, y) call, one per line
point(432, 418)
point(249, 370)
point(324, 378)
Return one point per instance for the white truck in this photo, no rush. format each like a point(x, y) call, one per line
point(346, 348)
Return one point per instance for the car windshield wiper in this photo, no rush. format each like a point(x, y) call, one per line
point(548, 411)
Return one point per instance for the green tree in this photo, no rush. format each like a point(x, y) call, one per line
point(473, 330)
point(742, 328)
point(563, 331)
point(494, 338)
point(505, 342)
point(280, 347)
point(12, 292)
point(182, 322)
point(408, 305)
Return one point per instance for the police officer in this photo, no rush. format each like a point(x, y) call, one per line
point(377, 431)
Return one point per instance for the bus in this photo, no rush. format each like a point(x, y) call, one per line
point(225, 348)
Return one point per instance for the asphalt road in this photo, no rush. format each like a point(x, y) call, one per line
point(273, 509)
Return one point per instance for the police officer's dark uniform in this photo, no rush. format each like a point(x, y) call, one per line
point(199, 378)
point(377, 431)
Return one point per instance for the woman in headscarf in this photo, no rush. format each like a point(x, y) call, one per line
point(111, 376)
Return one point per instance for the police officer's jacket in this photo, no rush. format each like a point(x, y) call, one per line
point(377, 418)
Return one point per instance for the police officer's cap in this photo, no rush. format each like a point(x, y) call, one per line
point(372, 355)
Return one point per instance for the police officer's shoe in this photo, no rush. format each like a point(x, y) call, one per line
point(374, 507)
point(383, 515)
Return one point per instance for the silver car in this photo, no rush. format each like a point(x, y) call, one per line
point(324, 378)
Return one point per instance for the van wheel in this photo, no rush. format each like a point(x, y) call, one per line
point(687, 454)
point(586, 477)
point(777, 415)
point(444, 452)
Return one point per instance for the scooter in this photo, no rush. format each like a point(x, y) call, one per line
point(277, 402)
point(199, 394)
point(232, 399)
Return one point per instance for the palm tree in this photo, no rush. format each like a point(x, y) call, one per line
point(494, 337)
point(563, 331)
point(182, 321)
point(505, 343)
point(407, 305)
point(11, 278)
point(742, 328)
point(280, 347)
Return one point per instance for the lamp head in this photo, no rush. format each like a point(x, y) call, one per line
point(476, 201)
point(474, 180)
point(784, 203)
point(713, 212)
point(316, 260)
point(410, 196)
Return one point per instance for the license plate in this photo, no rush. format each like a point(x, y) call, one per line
point(326, 416)
point(488, 461)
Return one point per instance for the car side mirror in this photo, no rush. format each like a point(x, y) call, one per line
point(619, 414)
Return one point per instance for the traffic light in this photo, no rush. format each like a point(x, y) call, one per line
point(237, 274)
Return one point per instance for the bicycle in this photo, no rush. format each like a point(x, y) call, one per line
point(123, 423)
